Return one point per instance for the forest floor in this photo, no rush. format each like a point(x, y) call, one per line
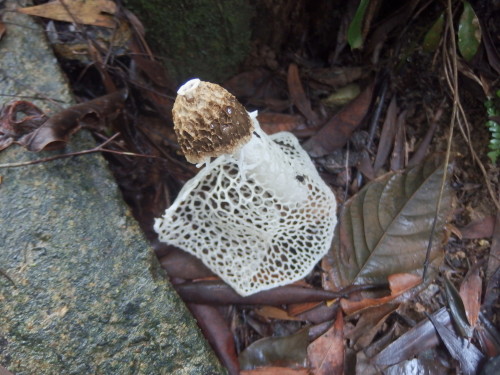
point(410, 99)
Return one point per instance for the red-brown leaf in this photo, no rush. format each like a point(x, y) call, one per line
point(470, 291)
point(337, 131)
point(482, 228)
point(298, 96)
point(326, 354)
point(57, 130)
point(387, 135)
point(219, 293)
point(399, 283)
point(216, 330)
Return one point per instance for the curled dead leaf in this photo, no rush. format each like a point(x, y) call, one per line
point(57, 130)
point(95, 12)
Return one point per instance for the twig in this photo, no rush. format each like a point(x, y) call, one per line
point(456, 99)
point(99, 148)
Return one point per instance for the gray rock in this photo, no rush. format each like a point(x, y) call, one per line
point(88, 296)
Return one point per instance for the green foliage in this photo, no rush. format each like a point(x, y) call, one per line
point(433, 36)
point(355, 31)
point(493, 110)
point(469, 33)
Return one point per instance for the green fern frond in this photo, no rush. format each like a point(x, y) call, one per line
point(494, 128)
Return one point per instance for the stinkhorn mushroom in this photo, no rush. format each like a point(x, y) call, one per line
point(258, 215)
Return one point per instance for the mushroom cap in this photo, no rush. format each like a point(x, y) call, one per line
point(209, 121)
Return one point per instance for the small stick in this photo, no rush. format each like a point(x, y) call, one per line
point(99, 148)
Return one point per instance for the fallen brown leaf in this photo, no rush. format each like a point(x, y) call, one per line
point(398, 283)
point(56, 131)
point(421, 337)
point(470, 291)
point(389, 129)
point(219, 293)
point(326, 353)
point(86, 12)
point(368, 325)
point(273, 312)
point(337, 131)
point(17, 119)
point(217, 331)
point(482, 228)
point(298, 96)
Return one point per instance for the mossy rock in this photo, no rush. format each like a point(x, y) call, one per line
point(197, 38)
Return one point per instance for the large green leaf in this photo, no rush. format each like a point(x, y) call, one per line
point(469, 32)
point(355, 30)
point(385, 228)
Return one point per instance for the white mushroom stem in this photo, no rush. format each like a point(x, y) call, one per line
point(264, 161)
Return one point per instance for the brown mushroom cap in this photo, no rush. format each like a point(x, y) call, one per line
point(209, 121)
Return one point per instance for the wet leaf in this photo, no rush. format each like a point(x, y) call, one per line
point(420, 338)
point(180, 264)
point(319, 314)
point(276, 351)
point(385, 228)
point(368, 325)
point(57, 130)
point(433, 36)
point(469, 32)
point(399, 283)
point(298, 96)
point(326, 353)
point(219, 293)
point(272, 312)
point(94, 12)
point(354, 32)
point(470, 291)
point(337, 131)
point(217, 331)
point(462, 350)
point(457, 309)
